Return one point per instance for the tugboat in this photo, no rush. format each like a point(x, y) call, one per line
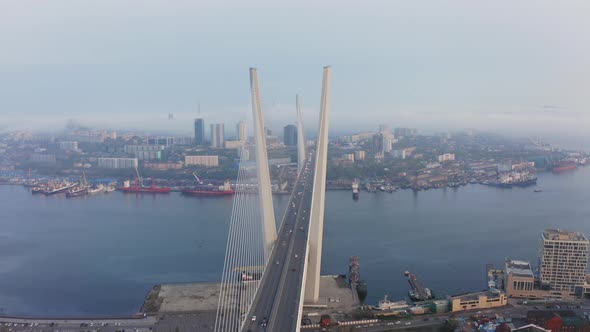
point(355, 189)
point(361, 290)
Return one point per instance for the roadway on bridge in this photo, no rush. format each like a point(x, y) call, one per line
point(278, 296)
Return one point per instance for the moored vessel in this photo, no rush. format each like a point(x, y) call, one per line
point(146, 190)
point(139, 188)
point(355, 189)
point(564, 166)
point(77, 191)
point(97, 189)
point(208, 189)
point(59, 188)
point(386, 304)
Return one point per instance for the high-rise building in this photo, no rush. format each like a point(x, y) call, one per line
point(377, 144)
point(563, 261)
point(199, 132)
point(242, 135)
point(217, 135)
point(290, 135)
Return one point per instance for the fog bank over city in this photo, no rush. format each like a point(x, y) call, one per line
point(520, 69)
point(535, 121)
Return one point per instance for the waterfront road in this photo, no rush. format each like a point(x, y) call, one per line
point(78, 324)
point(276, 304)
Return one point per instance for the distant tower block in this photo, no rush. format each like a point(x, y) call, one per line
point(316, 228)
point(269, 227)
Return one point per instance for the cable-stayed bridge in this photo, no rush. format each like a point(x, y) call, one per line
point(267, 275)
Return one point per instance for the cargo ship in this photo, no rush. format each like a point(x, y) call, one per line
point(564, 166)
point(210, 189)
point(139, 188)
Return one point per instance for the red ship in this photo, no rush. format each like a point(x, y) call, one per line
point(208, 189)
point(138, 187)
point(148, 190)
point(564, 166)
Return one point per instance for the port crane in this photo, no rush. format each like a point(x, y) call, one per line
point(199, 180)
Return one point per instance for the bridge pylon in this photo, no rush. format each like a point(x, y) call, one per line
point(269, 227)
point(316, 228)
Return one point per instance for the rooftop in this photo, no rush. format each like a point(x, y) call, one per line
point(562, 235)
point(475, 296)
point(519, 268)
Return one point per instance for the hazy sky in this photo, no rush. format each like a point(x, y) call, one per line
point(495, 65)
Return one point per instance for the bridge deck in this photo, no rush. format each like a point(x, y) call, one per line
point(278, 297)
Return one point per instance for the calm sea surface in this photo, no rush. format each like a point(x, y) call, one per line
point(100, 255)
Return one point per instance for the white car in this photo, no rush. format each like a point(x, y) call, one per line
point(253, 318)
point(407, 324)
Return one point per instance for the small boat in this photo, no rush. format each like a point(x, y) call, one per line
point(97, 190)
point(538, 190)
point(38, 190)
